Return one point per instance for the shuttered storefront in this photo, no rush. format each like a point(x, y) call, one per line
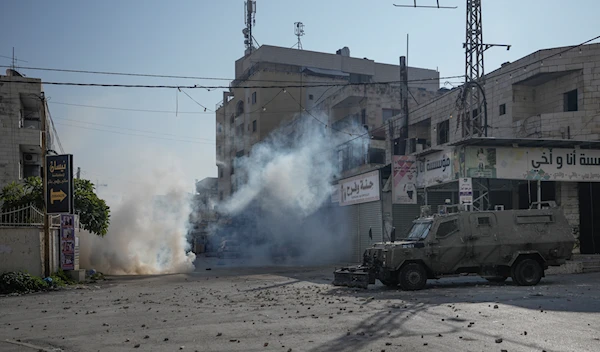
point(370, 217)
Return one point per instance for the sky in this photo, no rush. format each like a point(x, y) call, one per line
point(203, 38)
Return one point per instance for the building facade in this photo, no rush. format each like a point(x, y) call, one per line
point(23, 110)
point(543, 128)
point(275, 85)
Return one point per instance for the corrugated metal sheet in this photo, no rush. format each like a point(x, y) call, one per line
point(370, 217)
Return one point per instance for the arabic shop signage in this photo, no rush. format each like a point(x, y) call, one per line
point(434, 169)
point(360, 189)
point(59, 184)
point(544, 164)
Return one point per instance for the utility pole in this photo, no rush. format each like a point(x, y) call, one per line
point(403, 148)
point(78, 173)
point(47, 247)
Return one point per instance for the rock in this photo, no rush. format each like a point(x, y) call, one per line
point(525, 333)
point(219, 334)
point(146, 337)
point(498, 340)
point(495, 306)
point(266, 344)
point(137, 346)
point(166, 339)
point(388, 343)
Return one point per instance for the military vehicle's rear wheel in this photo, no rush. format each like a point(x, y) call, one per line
point(528, 272)
point(412, 277)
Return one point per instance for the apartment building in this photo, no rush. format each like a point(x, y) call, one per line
point(274, 85)
point(22, 111)
point(543, 128)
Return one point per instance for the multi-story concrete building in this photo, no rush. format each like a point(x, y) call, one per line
point(273, 85)
point(22, 112)
point(543, 128)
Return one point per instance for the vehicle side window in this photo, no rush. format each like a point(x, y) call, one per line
point(447, 228)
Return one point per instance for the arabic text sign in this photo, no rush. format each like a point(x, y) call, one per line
point(360, 189)
point(59, 178)
point(335, 194)
point(434, 169)
point(544, 164)
point(404, 170)
point(67, 242)
point(465, 191)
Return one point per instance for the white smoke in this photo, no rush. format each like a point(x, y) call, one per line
point(286, 192)
point(147, 233)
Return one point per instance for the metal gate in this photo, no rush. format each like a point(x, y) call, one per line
point(370, 218)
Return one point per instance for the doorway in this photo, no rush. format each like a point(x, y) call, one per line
point(589, 210)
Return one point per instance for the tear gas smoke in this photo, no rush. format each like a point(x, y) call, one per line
point(147, 233)
point(283, 205)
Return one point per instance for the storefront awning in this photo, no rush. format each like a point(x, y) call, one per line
point(527, 142)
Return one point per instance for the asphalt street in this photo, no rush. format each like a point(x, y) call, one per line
point(297, 309)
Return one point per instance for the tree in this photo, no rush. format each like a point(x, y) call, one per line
point(94, 214)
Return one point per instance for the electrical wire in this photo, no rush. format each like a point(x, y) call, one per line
point(127, 109)
point(134, 130)
point(164, 86)
point(60, 147)
point(194, 100)
point(131, 134)
point(159, 75)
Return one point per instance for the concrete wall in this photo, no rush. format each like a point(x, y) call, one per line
point(21, 249)
point(568, 198)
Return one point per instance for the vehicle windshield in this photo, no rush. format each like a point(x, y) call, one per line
point(419, 231)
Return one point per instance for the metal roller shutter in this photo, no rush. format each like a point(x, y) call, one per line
point(370, 217)
point(353, 231)
point(403, 216)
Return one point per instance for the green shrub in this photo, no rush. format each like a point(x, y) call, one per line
point(63, 277)
point(20, 282)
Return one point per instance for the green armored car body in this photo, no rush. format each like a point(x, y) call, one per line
point(496, 245)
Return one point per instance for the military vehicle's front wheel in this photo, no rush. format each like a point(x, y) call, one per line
point(412, 277)
point(528, 272)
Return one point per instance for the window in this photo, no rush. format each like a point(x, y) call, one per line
point(310, 97)
point(447, 228)
point(239, 109)
point(389, 113)
point(502, 109)
point(570, 100)
point(253, 98)
point(363, 116)
point(443, 131)
point(484, 221)
point(254, 126)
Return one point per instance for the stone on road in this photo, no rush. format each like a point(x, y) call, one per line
point(297, 309)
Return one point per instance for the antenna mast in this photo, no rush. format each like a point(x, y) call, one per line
point(250, 20)
point(299, 32)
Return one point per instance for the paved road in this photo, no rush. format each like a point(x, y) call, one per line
point(296, 309)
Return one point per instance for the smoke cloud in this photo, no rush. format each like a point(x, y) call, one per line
point(147, 233)
point(283, 204)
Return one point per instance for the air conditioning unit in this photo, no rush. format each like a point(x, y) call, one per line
point(31, 158)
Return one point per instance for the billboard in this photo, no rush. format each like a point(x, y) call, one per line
point(435, 168)
point(360, 189)
point(59, 184)
point(544, 164)
point(404, 171)
point(67, 242)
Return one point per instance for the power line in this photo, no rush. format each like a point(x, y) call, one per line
point(131, 134)
point(135, 130)
point(194, 100)
point(127, 109)
point(54, 127)
point(163, 86)
point(146, 74)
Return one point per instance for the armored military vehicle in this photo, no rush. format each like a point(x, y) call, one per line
point(496, 245)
